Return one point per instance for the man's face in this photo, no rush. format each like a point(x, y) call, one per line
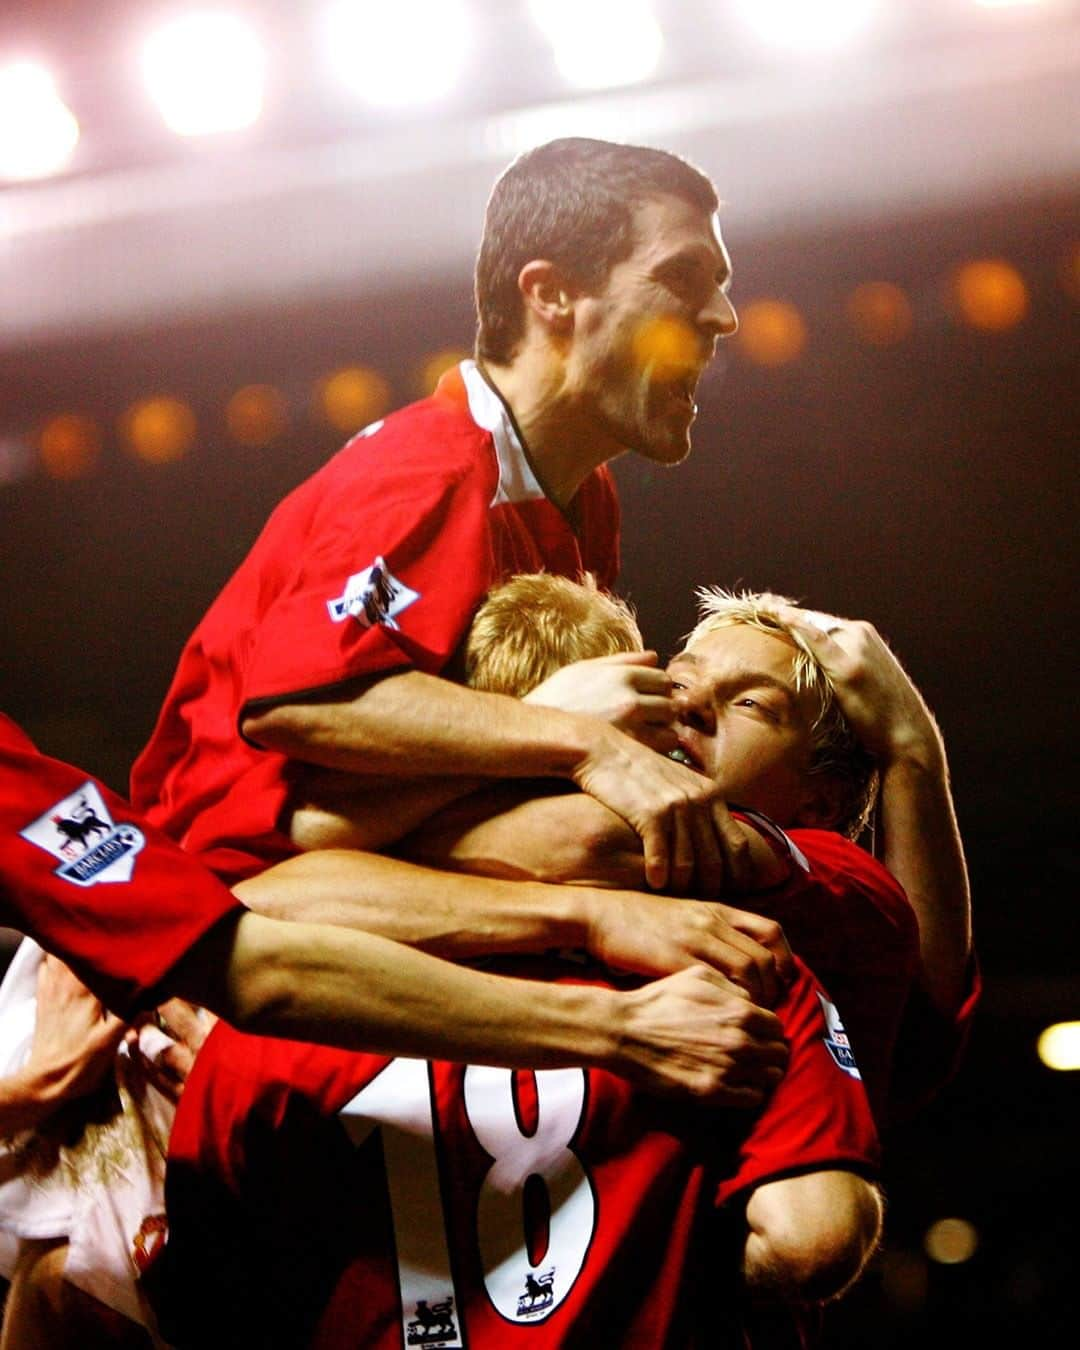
point(641, 342)
point(743, 723)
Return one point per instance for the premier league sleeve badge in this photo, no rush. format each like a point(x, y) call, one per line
point(81, 834)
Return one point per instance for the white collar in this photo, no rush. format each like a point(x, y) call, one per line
point(517, 482)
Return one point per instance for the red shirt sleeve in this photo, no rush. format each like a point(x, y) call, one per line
point(851, 922)
point(819, 1115)
point(388, 575)
point(92, 882)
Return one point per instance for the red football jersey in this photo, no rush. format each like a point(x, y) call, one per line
point(82, 874)
point(376, 562)
point(850, 921)
point(335, 1200)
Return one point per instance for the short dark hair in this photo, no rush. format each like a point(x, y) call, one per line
point(572, 202)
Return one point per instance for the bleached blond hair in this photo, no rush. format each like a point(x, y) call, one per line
point(536, 623)
point(836, 751)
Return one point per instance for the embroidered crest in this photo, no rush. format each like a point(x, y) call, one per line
point(372, 596)
point(80, 832)
point(432, 1323)
point(836, 1038)
point(538, 1295)
point(149, 1242)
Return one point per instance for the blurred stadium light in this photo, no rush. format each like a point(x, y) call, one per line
point(797, 26)
point(599, 44)
point(946, 105)
point(394, 55)
point(38, 131)
point(205, 70)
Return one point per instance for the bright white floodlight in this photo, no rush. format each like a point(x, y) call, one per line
point(600, 44)
point(807, 25)
point(393, 53)
point(206, 71)
point(38, 131)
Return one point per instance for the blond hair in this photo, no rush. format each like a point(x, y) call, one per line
point(836, 751)
point(536, 623)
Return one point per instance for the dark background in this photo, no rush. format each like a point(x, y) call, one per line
point(929, 486)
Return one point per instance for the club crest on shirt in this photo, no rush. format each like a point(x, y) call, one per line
point(538, 1295)
point(432, 1323)
point(836, 1038)
point(372, 596)
point(80, 832)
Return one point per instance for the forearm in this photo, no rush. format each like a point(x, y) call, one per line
point(31, 1094)
point(692, 1033)
point(364, 992)
point(809, 1237)
point(328, 809)
point(567, 838)
point(460, 916)
point(921, 847)
point(444, 913)
point(513, 831)
point(415, 725)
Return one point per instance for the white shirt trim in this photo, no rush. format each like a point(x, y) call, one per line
point(517, 482)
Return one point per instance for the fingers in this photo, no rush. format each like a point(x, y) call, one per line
point(654, 844)
point(642, 658)
point(710, 870)
point(819, 632)
point(748, 965)
point(766, 933)
point(681, 872)
point(733, 844)
point(729, 1052)
point(183, 1020)
point(162, 1061)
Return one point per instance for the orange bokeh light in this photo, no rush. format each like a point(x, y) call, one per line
point(436, 366)
point(160, 429)
point(70, 445)
point(256, 415)
point(771, 332)
point(669, 346)
point(880, 313)
point(990, 295)
point(352, 397)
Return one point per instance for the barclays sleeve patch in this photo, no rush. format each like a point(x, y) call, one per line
point(836, 1038)
point(80, 832)
point(372, 596)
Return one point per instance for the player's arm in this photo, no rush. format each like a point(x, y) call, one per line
point(73, 1046)
point(809, 1236)
point(332, 809)
point(920, 841)
point(329, 809)
point(410, 724)
point(456, 916)
point(562, 837)
point(692, 1034)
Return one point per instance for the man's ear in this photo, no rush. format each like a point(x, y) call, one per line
point(548, 295)
point(823, 803)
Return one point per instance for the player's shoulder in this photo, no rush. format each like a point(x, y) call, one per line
point(436, 437)
point(830, 853)
point(13, 738)
point(850, 872)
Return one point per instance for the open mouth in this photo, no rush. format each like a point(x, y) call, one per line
point(683, 755)
point(686, 390)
